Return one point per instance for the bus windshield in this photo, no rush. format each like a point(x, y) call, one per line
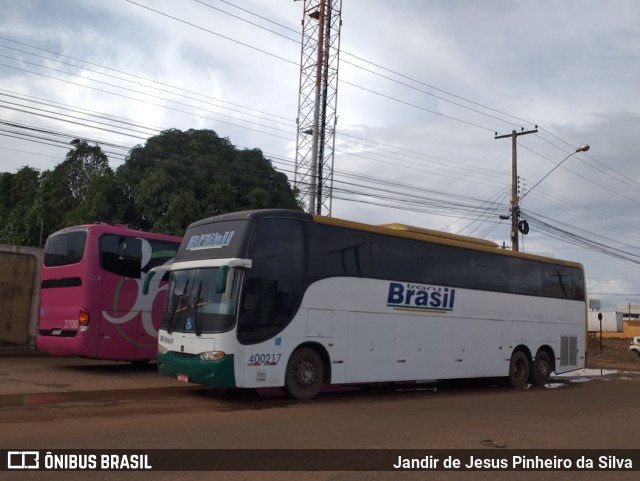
point(194, 305)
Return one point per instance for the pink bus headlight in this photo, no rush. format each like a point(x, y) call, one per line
point(212, 355)
point(83, 319)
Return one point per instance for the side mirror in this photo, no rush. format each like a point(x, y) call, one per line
point(147, 279)
point(221, 280)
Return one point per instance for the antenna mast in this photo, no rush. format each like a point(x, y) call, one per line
point(317, 102)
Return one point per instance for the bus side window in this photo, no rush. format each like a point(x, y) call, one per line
point(132, 258)
point(577, 284)
point(337, 252)
point(525, 276)
point(274, 284)
point(393, 258)
point(162, 252)
point(259, 302)
point(444, 265)
point(488, 272)
point(121, 255)
point(556, 281)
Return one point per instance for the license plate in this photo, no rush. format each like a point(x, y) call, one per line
point(183, 378)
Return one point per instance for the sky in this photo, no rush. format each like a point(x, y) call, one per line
point(423, 89)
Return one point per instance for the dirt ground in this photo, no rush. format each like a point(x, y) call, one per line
point(614, 354)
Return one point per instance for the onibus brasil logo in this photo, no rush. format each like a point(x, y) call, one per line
point(403, 296)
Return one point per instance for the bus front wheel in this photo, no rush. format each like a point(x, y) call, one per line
point(518, 369)
point(305, 374)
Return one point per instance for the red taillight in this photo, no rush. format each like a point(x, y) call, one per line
point(83, 319)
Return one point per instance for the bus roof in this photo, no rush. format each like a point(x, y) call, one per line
point(116, 229)
point(254, 215)
point(401, 230)
point(444, 235)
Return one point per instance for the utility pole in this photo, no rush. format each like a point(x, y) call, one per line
point(515, 208)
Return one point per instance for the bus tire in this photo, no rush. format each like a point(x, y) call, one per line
point(540, 369)
point(518, 369)
point(305, 374)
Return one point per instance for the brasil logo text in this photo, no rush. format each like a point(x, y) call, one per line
point(210, 241)
point(418, 297)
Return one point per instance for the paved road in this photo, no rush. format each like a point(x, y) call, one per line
point(48, 403)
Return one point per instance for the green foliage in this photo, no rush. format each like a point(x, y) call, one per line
point(179, 177)
point(83, 164)
point(174, 179)
point(77, 191)
point(17, 223)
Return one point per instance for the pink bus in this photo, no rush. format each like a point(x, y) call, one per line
point(91, 300)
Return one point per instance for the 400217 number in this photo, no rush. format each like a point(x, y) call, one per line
point(265, 359)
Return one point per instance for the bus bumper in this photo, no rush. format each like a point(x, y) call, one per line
point(81, 344)
point(192, 369)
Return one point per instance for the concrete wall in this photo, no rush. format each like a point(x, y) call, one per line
point(630, 329)
point(611, 322)
point(19, 294)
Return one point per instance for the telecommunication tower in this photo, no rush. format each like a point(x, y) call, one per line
point(317, 102)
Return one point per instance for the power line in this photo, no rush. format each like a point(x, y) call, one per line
point(214, 33)
point(447, 207)
point(400, 196)
point(443, 167)
point(146, 80)
point(385, 69)
point(142, 100)
point(227, 2)
point(137, 99)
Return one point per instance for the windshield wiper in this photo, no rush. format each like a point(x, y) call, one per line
point(196, 324)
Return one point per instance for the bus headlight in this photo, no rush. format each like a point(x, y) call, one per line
point(162, 349)
point(212, 355)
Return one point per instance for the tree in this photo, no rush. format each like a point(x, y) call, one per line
point(82, 189)
point(105, 202)
point(174, 179)
point(83, 164)
point(179, 177)
point(17, 193)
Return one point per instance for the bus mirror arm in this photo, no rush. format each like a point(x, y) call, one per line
point(223, 273)
point(150, 274)
point(147, 280)
point(245, 263)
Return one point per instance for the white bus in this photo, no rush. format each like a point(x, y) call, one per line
point(284, 298)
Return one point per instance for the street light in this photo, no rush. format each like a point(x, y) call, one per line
point(582, 148)
point(522, 225)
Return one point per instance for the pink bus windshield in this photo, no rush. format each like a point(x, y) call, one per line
point(91, 299)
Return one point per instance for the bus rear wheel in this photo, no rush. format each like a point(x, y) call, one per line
point(305, 374)
point(518, 369)
point(540, 369)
